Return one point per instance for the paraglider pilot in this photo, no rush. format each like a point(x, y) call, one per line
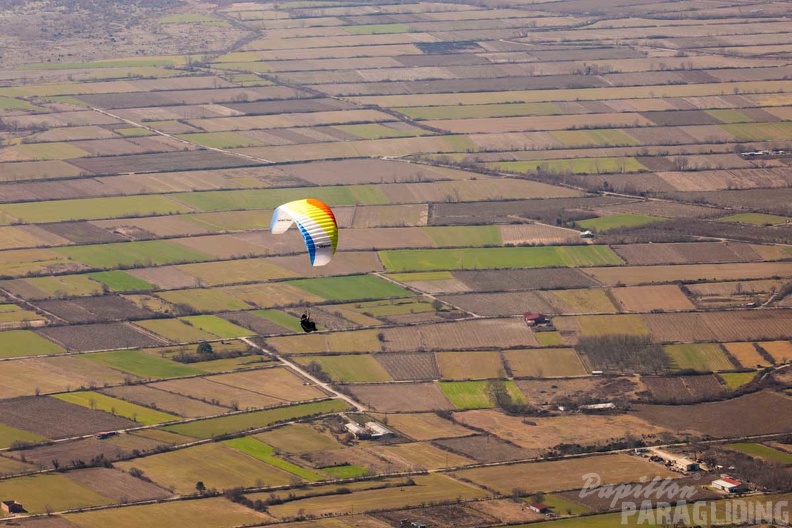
point(306, 324)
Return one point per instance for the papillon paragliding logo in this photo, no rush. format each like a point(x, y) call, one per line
point(317, 225)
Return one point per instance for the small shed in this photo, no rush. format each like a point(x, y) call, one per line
point(357, 430)
point(538, 507)
point(12, 506)
point(378, 430)
point(533, 319)
point(586, 234)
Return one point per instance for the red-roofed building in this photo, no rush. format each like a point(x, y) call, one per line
point(729, 485)
point(538, 507)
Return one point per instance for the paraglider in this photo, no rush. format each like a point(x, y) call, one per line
point(317, 225)
point(307, 324)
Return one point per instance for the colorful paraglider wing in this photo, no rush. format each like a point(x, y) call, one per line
point(317, 225)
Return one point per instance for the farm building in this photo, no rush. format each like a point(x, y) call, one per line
point(377, 430)
point(12, 506)
point(679, 462)
point(538, 507)
point(598, 406)
point(533, 319)
point(728, 484)
point(586, 234)
point(356, 429)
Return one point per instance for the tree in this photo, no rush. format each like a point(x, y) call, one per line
point(200, 487)
point(204, 348)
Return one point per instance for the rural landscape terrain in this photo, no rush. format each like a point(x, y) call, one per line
point(565, 249)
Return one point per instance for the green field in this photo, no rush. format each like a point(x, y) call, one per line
point(9, 435)
point(141, 364)
point(351, 288)
point(283, 319)
point(604, 223)
point(133, 132)
point(763, 451)
point(121, 281)
point(49, 151)
point(6, 103)
point(242, 422)
point(349, 368)
point(599, 138)
point(497, 258)
point(94, 208)
point(573, 166)
point(204, 300)
point(760, 219)
point(562, 506)
point(116, 407)
point(215, 464)
point(175, 330)
point(735, 380)
point(222, 140)
point(127, 254)
point(703, 357)
point(472, 394)
point(729, 116)
point(422, 113)
point(266, 453)
point(377, 29)
point(18, 343)
point(11, 313)
point(217, 326)
point(66, 285)
point(760, 131)
point(271, 198)
point(344, 472)
point(298, 438)
point(549, 338)
point(54, 491)
point(130, 62)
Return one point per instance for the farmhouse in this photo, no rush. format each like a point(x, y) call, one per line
point(12, 506)
point(533, 319)
point(356, 429)
point(377, 430)
point(538, 507)
point(679, 462)
point(728, 485)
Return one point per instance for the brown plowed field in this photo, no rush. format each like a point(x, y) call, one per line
point(706, 252)
point(537, 234)
point(95, 309)
point(400, 397)
point(524, 279)
point(53, 418)
point(100, 337)
point(487, 448)
point(759, 413)
point(693, 272)
point(747, 355)
point(82, 233)
point(426, 426)
point(684, 389)
point(460, 335)
point(170, 161)
point(501, 304)
point(720, 326)
point(165, 401)
point(117, 484)
point(419, 366)
point(647, 298)
point(545, 392)
point(549, 432)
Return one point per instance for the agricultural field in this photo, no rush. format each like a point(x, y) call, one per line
point(155, 369)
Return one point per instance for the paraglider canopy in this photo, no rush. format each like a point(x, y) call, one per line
point(317, 225)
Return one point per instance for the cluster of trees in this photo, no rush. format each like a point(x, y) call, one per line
point(767, 475)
